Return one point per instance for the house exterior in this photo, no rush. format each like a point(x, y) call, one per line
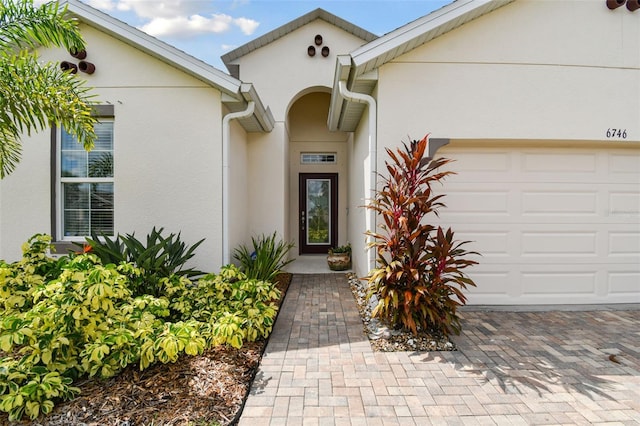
point(538, 103)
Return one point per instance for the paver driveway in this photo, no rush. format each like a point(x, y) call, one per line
point(511, 368)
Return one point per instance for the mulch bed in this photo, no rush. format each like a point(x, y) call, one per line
point(209, 389)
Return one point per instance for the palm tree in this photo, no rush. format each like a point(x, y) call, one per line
point(33, 95)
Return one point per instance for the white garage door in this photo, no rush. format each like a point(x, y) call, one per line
point(553, 225)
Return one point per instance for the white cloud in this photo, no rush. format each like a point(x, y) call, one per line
point(102, 4)
point(247, 26)
point(178, 18)
point(182, 26)
point(159, 9)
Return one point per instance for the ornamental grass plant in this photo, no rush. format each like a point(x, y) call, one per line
point(265, 259)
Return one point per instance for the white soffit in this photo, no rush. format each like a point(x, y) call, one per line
point(406, 38)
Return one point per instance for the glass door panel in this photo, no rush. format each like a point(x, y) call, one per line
point(318, 212)
point(318, 204)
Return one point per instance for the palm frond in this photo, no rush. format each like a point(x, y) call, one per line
point(10, 153)
point(34, 96)
point(23, 25)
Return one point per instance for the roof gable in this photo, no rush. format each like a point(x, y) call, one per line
point(238, 94)
point(283, 30)
point(420, 31)
point(359, 68)
point(153, 46)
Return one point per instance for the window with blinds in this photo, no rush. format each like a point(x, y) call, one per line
point(86, 184)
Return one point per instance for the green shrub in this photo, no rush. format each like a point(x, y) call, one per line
point(42, 343)
point(19, 281)
point(419, 278)
point(77, 317)
point(266, 258)
point(159, 257)
point(236, 308)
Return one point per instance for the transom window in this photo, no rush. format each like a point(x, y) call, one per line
point(86, 184)
point(318, 158)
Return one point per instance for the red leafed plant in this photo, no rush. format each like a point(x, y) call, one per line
point(419, 278)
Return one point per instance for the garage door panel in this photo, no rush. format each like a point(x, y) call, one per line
point(491, 282)
point(553, 284)
point(541, 202)
point(558, 162)
point(624, 164)
point(475, 202)
point(559, 283)
point(624, 203)
point(487, 163)
point(624, 244)
point(553, 226)
point(545, 243)
point(625, 284)
point(489, 243)
point(557, 243)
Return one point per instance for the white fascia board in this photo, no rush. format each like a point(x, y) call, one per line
point(262, 114)
point(341, 73)
point(153, 46)
point(458, 10)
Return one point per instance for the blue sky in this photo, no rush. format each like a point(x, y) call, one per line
point(207, 29)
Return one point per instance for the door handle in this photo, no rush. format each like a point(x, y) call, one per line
point(303, 222)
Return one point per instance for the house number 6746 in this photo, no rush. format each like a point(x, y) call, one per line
point(616, 133)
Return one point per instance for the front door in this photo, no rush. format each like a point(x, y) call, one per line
point(318, 212)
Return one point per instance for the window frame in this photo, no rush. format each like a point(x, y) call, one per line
point(103, 113)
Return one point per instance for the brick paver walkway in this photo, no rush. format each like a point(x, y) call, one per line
point(511, 368)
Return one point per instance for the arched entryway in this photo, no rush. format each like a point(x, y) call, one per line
point(318, 175)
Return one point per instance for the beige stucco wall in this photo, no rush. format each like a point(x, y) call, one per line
point(25, 206)
point(268, 170)
point(238, 188)
point(529, 70)
point(359, 172)
point(167, 142)
point(282, 73)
